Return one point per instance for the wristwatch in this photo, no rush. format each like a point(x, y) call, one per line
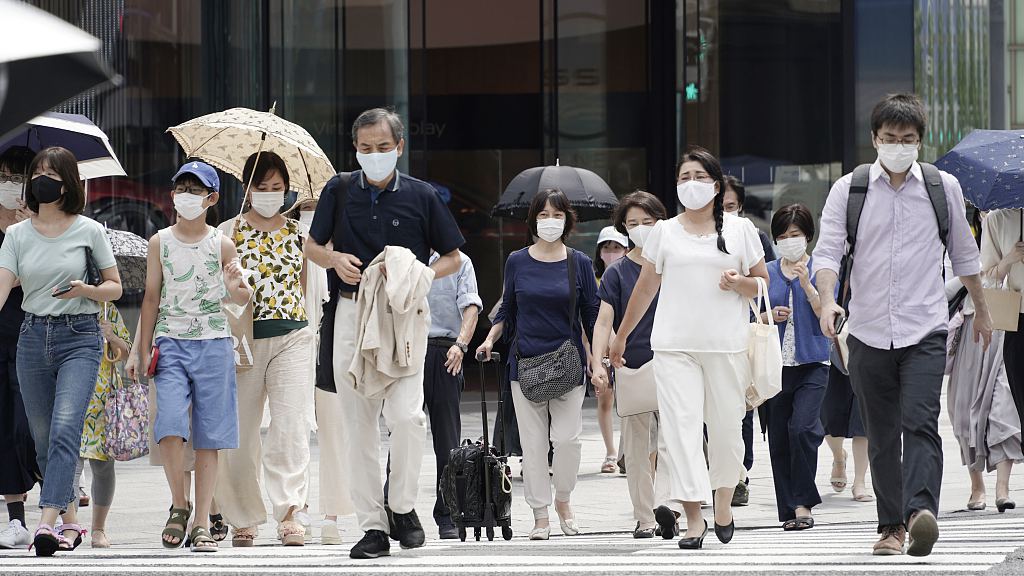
point(463, 347)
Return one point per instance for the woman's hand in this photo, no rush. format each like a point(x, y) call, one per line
point(616, 349)
point(730, 280)
point(802, 273)
point(781, 314)
point(484, 350)
point(108, 331)
point(79, 289)
point(599, 377)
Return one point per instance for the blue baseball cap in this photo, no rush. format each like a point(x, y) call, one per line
point(206, 174)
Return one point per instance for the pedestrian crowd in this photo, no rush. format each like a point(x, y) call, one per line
point(358, 304)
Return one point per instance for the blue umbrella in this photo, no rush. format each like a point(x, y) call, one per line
point(75, 132)
point(990, 167)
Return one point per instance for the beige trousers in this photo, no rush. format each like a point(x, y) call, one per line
point(403, 414)
point(697, 388)
point(279, 377)
point(565, 415)
point(334, 489)
point(648, 483)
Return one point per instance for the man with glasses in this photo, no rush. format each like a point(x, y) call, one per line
point(899, 210)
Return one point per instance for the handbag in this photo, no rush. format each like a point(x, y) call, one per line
point(1004, 307)
point(92, 271)
point(636, 391)
point(127, 414)
point(764, 352)
point(325, 333)
point(552, 375)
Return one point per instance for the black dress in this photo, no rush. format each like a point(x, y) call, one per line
point(840, 414)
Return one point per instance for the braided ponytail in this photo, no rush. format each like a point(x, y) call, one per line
point(719, 212)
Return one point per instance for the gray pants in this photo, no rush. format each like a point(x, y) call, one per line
point(103, 480)
point(898, 391)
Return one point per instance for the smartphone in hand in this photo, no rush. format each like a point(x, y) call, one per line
point(62, 290)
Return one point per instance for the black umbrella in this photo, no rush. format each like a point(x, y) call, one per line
point(588, 194)
point(130, 253)
point(43, 62)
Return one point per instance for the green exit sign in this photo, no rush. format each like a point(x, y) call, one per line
point(692, 92)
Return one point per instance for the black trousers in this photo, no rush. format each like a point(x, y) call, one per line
point(794, 435)
point(19, 471)
point(1013, 358)
point(442, 393)
point(898, 391)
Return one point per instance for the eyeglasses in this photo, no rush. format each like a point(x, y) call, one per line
point(15, 178)
point(699, 178)
point(200, 191)
point(906, 141)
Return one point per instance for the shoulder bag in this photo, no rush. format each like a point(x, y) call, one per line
point(764, 353)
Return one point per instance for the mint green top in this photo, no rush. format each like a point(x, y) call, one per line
point(43, 263)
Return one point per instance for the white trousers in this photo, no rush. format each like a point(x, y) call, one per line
point(279, 377)
point(334, 484)
point(565, 416)
point(697, 388)
point(648, 482)
point(403, 415)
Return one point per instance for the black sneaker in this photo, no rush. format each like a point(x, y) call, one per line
point(374, 544)
point(742, 495)
point(407, 530)
point(448, 532)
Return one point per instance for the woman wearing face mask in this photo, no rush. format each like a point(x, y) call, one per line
point(611, 246)
point(59, 344)
point(732, 202)
point(270, 249)
point(18, 469)
point(708, 262)
point(537, 311)
point(636, 214)
point(794, 423)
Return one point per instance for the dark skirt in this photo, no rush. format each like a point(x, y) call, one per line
point(840, 414)
point(18, 469)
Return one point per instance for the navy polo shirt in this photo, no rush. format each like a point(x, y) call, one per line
point(407, 213)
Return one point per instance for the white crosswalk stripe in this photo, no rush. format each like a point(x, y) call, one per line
point(966, 546)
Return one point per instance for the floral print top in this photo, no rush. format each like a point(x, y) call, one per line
point(277, 259)
point(94, 433)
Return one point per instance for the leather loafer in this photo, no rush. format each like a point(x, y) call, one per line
point(725, 533)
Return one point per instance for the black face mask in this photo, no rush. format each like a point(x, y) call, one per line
point(46, 189)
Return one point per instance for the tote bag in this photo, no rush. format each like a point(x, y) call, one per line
point(127, 413)
point(764, 353)
point(1004, 307)
point(636, 392)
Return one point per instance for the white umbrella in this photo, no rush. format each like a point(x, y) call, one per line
point(75, 132)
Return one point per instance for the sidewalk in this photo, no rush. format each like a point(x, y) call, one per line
point(601, 501)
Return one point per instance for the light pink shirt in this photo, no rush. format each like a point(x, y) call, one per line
point(897, 291)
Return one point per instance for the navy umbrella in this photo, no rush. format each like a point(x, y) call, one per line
point(990, 167)
point(75, 132)
point(588, 194)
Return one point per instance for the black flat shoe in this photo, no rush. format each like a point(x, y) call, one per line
point(725, 533)
point(1004, 504)
point(666, 519)
point(694, 543)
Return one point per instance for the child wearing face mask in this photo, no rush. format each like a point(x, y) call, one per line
point(270, 250)
point(794, 415)
point(611, 246)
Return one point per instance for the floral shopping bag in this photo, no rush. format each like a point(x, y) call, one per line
point(127, 413)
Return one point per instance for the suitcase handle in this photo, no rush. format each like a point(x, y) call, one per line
point(495, 357)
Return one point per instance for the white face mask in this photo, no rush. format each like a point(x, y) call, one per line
point(306, 217)
point(639, 234)
point(379, 165)
point(267, 204)
point(792, 249)
point(189, 206)
point(734, 212)
point(897, 158)
point(694, 195)
point(550, 229)
point(10, 195)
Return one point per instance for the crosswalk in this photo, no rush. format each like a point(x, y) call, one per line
point(967, 545)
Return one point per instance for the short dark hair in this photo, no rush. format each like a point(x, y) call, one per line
point(258, 170)
point(64, 163)
point(559, 201)
point(645, 201)
point(192, 181)
point(713, 167)
point(793, 214)
point(16, 159)
point(375, 116)
point(899, 110)
point(736, 185)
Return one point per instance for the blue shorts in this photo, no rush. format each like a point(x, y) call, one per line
point(197, 374)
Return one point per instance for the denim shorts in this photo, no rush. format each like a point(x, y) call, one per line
point(197, 377)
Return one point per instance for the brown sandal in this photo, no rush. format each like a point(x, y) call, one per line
point(291, 533)
point(243, 537)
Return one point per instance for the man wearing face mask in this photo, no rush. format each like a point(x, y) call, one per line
point(375, 207)
point(898, 216)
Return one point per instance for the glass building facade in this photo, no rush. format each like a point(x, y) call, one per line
point(780, 90)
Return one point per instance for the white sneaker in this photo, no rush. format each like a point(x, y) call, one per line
point(14, 535)
point(329, 533)
point(307, 525)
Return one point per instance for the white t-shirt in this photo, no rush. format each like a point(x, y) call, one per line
point(694, 314)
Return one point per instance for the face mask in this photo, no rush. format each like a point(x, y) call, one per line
point(734, 212)
point(306, 217)
point(609, 257)
point(695, 195)
point(379, 165)
point(550, 229)
point(10, 195)
point(189, 206)
point(792, 249)
point(639, 234)
point(897, 158)
point(46, 189)
point(267, 204)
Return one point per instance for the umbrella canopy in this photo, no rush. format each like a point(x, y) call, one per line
point(990, 167)
point(75, 132)
point(227, 139)
point(588, 194)
point(130, 252)
point(43, 62)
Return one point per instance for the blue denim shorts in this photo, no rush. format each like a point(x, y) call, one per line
point(197, 375)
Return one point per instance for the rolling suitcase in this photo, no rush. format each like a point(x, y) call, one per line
point(476, 484)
